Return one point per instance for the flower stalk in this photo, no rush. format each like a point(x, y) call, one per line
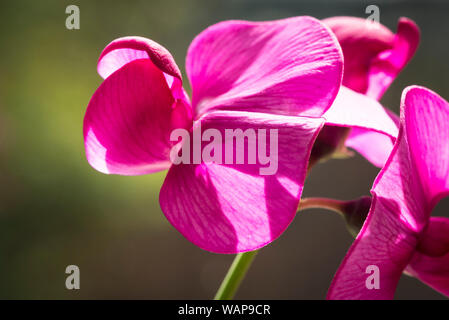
point(235, 275)
point(354, 211)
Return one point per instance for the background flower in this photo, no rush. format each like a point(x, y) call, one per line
point(374, 56)
point(398, 230)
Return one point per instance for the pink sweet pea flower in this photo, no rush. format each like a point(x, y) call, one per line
point(399, 234)
point(373, 56)
point(280, 75)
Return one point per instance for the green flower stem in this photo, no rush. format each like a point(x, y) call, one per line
point(243, 261)
point(235, 275)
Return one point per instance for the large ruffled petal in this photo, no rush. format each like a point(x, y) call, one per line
point(373, 54)
point(230, 208)
point(287, 67)
point(431, 263)
point(129, 120)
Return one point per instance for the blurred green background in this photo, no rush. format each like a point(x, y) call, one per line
point(55, 210)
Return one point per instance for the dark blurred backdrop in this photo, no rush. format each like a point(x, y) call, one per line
point(55, 210)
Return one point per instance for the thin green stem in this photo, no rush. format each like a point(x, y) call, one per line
point(317, 203)
point(354, 212)
point(235, 275)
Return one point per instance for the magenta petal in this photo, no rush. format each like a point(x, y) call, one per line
point(390, 233)
point(288, 67)
point(129, 119)
point(374, 128)
point(374, 56)
point(233, 208)
point(433, 269)
point(124, 50)
point(388, 64)
point(352, 109)
point(414, 178)
point(427, 118)
point(373, 146)
point(434, 241)
point(361, 42)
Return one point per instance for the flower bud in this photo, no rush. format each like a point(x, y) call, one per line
point(355, 212)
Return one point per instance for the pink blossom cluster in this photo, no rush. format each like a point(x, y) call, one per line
point(317, 84)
